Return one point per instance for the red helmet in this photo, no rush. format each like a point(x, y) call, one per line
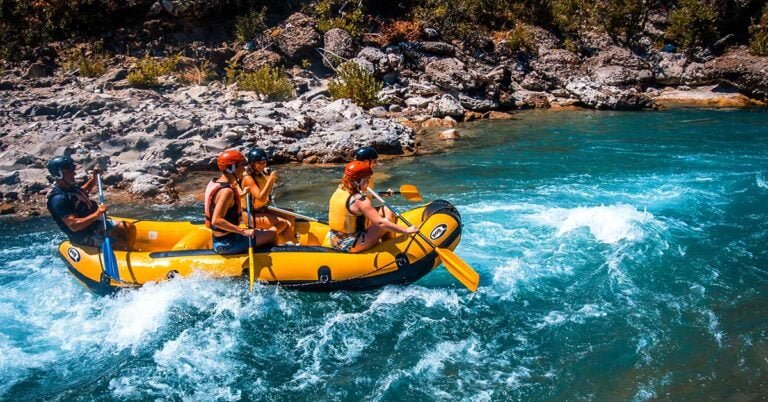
point(357, 170)
point(229, 160)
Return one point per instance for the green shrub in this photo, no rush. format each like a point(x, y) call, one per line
point(758, 42)
point(250, 25)
point(196, 73)
point(87, 65)
point(343, 14)
point(623, 20)
point(692, 24)
point(355, 83)
point(520, 40)
point(148, 70)
point(570, 16)
point(270, 82)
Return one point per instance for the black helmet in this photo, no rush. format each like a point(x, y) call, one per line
point(256, 155)
point(58, 163)
point(366, 154)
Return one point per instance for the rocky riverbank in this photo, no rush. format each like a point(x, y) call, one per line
point(149, 139)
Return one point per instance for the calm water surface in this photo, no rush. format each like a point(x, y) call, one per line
point(623, 257)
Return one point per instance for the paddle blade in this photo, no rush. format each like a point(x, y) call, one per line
point(459, 269)
point(410, 193)
point(251, 268)
point(110, 261)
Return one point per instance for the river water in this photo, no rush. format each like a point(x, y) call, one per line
point(623, 257)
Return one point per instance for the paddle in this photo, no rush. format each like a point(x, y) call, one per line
point(291, 213)
point(109, 261)
point(455, 265)
point(251, 269)
point(408, 191)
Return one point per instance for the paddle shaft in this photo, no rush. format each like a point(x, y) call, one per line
point(101, 201)
point(251, 268)
point(291, 213)
point(401, 217)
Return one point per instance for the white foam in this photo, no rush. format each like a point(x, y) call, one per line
point(760, 181)
point(607, 224)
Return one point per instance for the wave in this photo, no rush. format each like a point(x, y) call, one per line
point(607, 224)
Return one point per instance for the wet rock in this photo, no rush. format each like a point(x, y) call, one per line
point(147, 185)
point(435, 122)
point(450, 134)
point(477, 104)
point(494, 115)
point(298, 37)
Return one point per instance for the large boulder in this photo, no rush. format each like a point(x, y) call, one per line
point(557, 65)
point(600, 96)
point(451, 74)
point(618, 66)
point(741, 69)
point(338, 46)
point(261, 58)
point(298, 36)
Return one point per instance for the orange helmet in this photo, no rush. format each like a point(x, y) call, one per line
point(357, 170)
point(229, 160)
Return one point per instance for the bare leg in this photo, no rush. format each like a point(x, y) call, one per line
point(369, 240)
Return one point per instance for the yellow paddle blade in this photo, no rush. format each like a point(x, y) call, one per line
point(410, 193)
point(459, 269)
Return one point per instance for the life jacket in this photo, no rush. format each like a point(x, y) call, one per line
point(340, 218)
point(261, 181)
point(233, 214)
point(81, 204)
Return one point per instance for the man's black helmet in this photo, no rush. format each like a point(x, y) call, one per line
point(256, 155)
point(366, 154)
point(58, 163)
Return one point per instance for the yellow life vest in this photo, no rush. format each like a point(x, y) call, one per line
point(340, 218)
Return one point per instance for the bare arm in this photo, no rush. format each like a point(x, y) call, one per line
point(370, 212)
point(77, 224)
point(91, 183)
point(260, 196)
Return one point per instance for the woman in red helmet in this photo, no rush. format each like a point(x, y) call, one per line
point(355, 224)
point(223, 212)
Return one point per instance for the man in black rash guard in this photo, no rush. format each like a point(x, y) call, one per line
point(76, 214)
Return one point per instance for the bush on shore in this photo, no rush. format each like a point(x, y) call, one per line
point(270, 82)
point(355, 83)
point(86, 64)
point(149, 69)
point(347, 15)
point(692, 24)
point(758, 42)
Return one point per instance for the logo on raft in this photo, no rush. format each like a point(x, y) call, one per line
point(73, 254)
point(438, 231)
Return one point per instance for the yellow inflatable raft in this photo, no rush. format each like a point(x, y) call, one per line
point(163, 250)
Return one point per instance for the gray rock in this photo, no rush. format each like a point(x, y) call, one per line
point(618, 66)
point(37, 70)
point(438, 48)
point(447, 105)
point(599, 96)
point(739, 68)
point(34, 180)
point(557, 65)
point(299, 37)
point(113, 75)
point(451, 75)
point(148, 185)
point(477, 104)
point(338, 46)
point(261, 58)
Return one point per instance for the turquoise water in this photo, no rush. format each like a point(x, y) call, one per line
point(623, 257)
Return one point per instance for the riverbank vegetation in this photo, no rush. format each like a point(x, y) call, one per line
point(689, 24)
